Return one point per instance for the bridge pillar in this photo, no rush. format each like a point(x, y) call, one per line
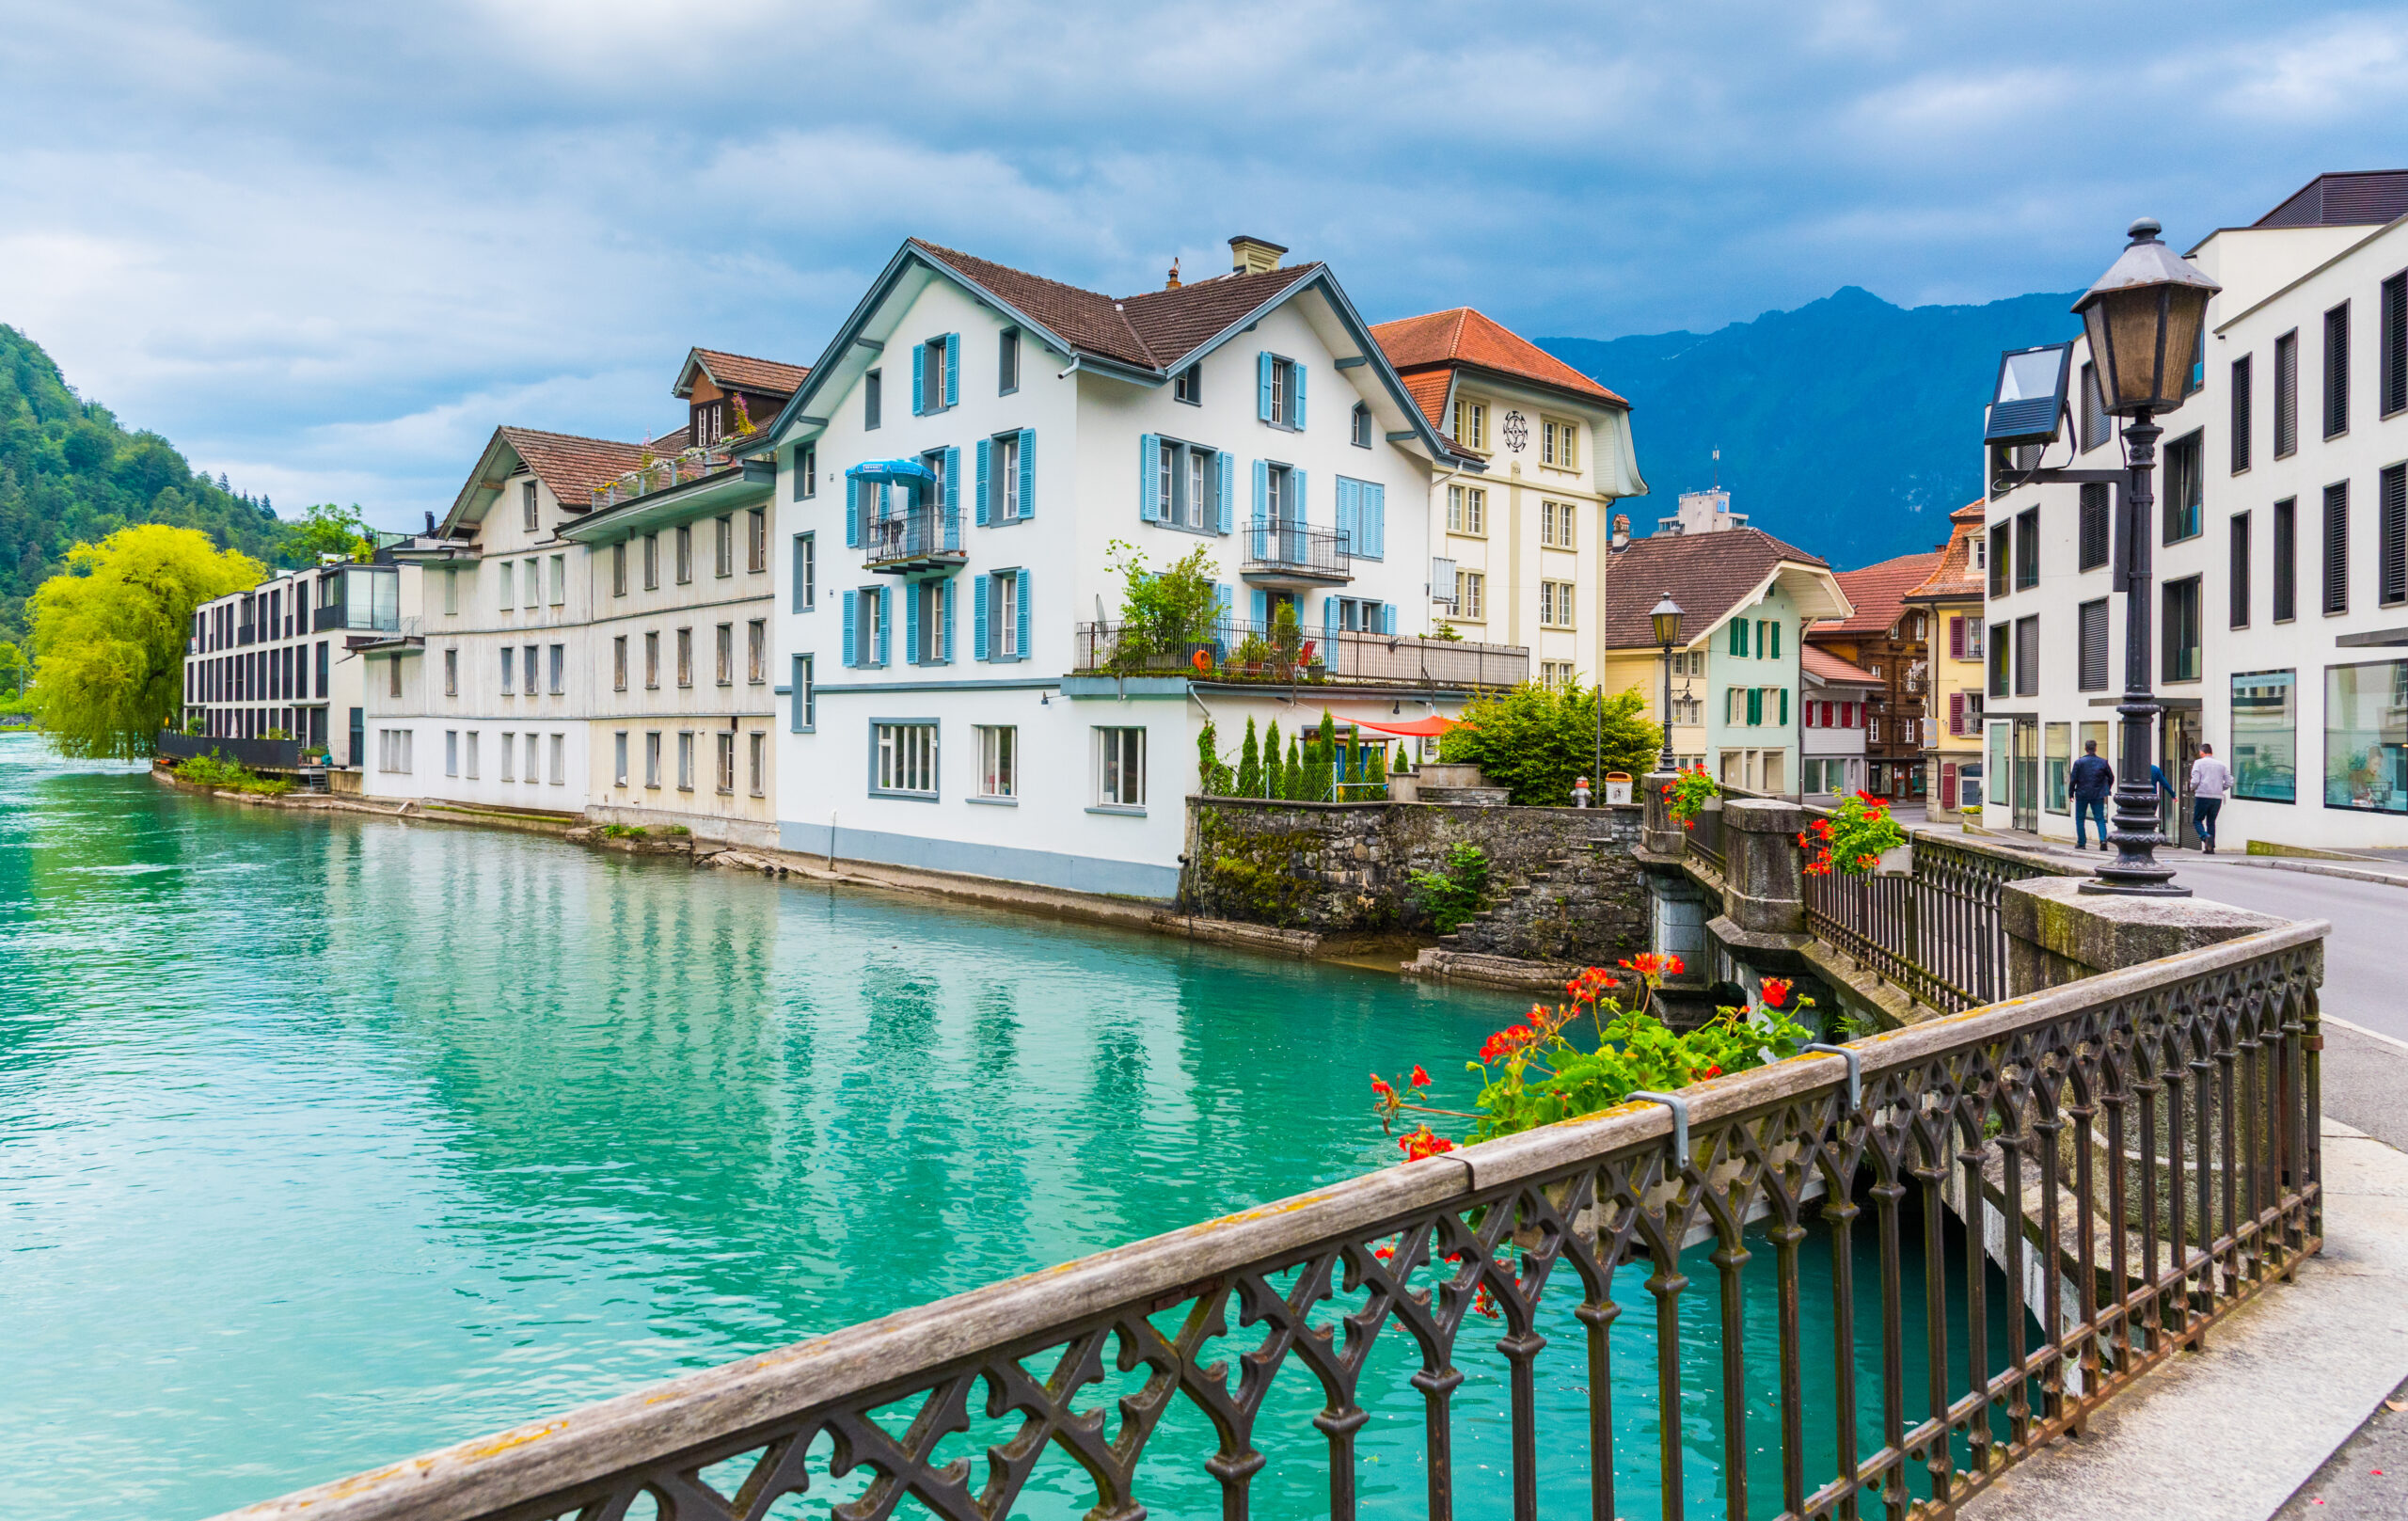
point(2056, 933)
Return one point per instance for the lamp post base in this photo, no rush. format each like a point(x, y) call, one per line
point(2136, 872)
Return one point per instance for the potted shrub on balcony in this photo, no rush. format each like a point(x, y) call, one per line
point(1166, 616)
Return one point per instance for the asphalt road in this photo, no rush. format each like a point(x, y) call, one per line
point(2366, 1075)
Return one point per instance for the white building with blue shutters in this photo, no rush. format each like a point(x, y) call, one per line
point(971, 457)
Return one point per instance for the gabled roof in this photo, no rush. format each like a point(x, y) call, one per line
point(737, 372)
point(1824, 666)
point(1709, 575)
point(1466, 338)
point(1879, 593)
point(568, 464)
point(1954, 579)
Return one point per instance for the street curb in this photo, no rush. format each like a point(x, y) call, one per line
point(2318, 868)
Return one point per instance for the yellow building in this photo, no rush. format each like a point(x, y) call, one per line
point(1953, 754)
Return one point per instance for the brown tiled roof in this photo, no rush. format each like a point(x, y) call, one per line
point(672, 441)
point(1152, 330)
point(1428, 389)
point(1444, 339)
point(1955, 576)
point(1706, 573)
point(741, 370)
point(1822, 662)
point(571, 465)
point(1879, 591)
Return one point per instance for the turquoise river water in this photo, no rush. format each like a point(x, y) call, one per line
point(326, 1139)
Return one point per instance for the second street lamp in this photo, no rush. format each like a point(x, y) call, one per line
point(1666, 616)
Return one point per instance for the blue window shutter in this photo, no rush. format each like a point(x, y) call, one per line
point(885, 626)
point(852, 609)
point(1261, 507)
point(1263, 384)
point(852, 514)
point(1329, 624)
point(1296, 401)
point(1023, 618)
point(1148, 463)
point(949, 620)
point(1300, 508)
point(983, 451)
point(953, 499)
point(1224, 603)
point(1350, 518)
point(1375, 522)
point(978, 620)
point(1222, 464)
point(1261, 607)
point(912, 591)
point(1028, 472)
point(951, 373)
point(919, 377)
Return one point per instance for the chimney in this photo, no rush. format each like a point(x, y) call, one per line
point(1172, 284)
point(1621, 530)
point(1252, 256)
point(430, 523)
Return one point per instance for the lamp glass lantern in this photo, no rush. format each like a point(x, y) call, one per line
point(2144, 320)
point(1666, 616)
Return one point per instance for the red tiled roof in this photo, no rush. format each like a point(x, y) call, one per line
point(1955, 577)
point(1428, 389)
point(570, 465)
point(1879, 592)
point(1152, 330)
point(1706, 573)
point(1468, 338)
point(741, 372)
point(1823, 664)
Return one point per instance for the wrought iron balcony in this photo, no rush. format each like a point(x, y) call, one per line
point(1241, 652)
point(1295, 554)
point(922, 539)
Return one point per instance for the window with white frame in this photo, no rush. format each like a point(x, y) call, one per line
point(469, 761)
point(756, 651)
point(1471, 423)
point(759, 742)
point(1002, 615)
point(558, 670)
point(806, 573)
point(685, 760)
point(724, 649)
point(619, 663)
point(559, 581)
point(619, 568)
point(534, 583)
point(1120, 767)
point(652, 561)
point(1467, 510)
point(723, 544)
point(509, 755)
point(1362, 428)
point(1188, 385)
point(560, 760)
point(1471, 594)
point(726, 763)
point(652, 758)
point(508, 569)
point(1559, 443)
point(526, 506)
point(1187, 485)
point(528, 672)
point(1280, 380)
point(998, 760)
point(652, 659)
point(619, 758)
point(452, 672)
point(756, 540)
point(1554, 604)
point(905, 757)
point(805, 715)
point(451, 751)
point(807, 472)
point(1556, 520)
point(684, 541)
point(1003, 455)
point(534, 759)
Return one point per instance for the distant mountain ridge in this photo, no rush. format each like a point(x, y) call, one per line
point(1850, 427)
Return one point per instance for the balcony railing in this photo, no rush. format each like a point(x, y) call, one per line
point(1248, 652)
point(659, 475)
point(1295, 551)
point(2142, 1147)
point(925, 538)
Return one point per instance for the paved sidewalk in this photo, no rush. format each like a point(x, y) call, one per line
point(2287, 1382)
point(2377, 865)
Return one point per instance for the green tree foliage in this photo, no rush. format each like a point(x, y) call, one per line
point(328, 529)
point(70, 474)
point(1250, 764)
point(1294, 773)
point(1274, 769)
point(1536, 740)
point(1451, 895)
point(1163, 612)
point(109, 633)
point(1212, 776)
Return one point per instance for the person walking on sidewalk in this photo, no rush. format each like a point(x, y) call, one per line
point(2211, 782)
point(2091, 780)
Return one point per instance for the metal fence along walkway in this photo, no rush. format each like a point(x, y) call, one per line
point(2150, 1137)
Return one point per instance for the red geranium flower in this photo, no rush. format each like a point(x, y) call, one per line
point(1420, 1079)
point(1380, 1086)
point(1422, 1143)
point(1776, 992)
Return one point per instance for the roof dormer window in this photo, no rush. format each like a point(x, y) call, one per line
point(1188, 385)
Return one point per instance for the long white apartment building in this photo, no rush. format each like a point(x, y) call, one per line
point(970, 457)
point(2280, 546)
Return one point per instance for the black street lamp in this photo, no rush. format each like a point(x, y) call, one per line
point(2144, 319)
point(1666, 616)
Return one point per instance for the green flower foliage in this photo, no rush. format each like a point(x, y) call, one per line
point(1535, 740)
point(1455, 893)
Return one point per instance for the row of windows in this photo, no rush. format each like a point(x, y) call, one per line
point(1819, 714)
point(756, 656)
point(259, 675)
point(647, 552)
point(1759, 639)
point(999, 620)
point(905, 762)
point(756, 748)
point(1755, 706)
point(1558, 437)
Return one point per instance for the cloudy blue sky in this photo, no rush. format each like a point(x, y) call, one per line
point(325, 249)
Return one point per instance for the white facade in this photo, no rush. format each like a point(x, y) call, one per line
point(993, 756)
point(2281, 562)
point(1830, 730)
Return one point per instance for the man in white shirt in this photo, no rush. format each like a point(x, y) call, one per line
point(2210, 783)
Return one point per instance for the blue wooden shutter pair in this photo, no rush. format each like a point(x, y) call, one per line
point(953, 499)
point(852, 513)
point(952, 372)
point(1222, 465)
point(912, 591)
point(1019, 632)
point(919, 380)
point(885, 628)
point(1148, 463)
point(852, 622)
point(1028, 472)
point(1262, 363)
point(1296, 395)
point(985, 447)
point(949, 620)
point(1372, 504)
point(978, 619)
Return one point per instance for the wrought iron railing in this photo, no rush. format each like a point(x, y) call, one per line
point(269, 754)
point(1704, 837)
point(918, 535)
point(682, 469)
point(1937, 932)
point(1233, 651)
point(1321, 553)
point(2140, 1149)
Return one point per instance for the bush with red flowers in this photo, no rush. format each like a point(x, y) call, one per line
point(1535, 1073)
point(1851, 840)
point(1686, 795)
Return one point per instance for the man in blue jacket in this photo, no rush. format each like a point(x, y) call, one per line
point(2091, 780)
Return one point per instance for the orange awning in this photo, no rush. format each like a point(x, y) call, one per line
point(1429, 728)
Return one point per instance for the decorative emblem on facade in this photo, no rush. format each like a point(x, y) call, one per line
point(1518, 431)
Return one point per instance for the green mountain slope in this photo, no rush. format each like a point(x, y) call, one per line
point(1850, 427)
point(69, 473)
